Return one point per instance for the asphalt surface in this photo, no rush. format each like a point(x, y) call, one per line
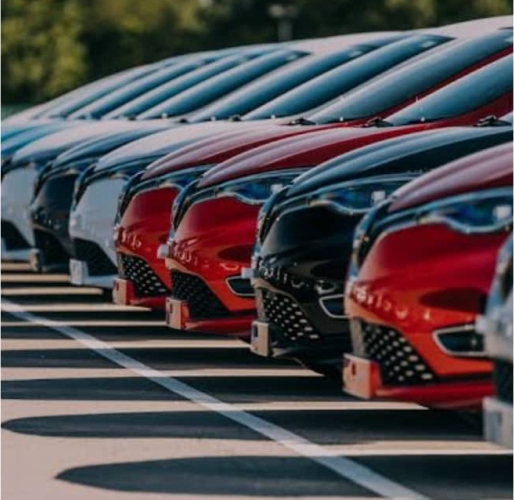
point(102, 402)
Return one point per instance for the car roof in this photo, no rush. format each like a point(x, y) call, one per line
point(487, 169)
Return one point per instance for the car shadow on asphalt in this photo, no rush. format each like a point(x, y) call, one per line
point(160, 358)
point(219, 475)
point(325, 427)
point(296, 476)
point(86, 389)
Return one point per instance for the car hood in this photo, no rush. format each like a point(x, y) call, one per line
point(487, 169)
point(99, 146)
point(18, 141)
point(417, 152)
point(12, 129)
point(222, 147)
point(162, 143)
point(297, 152)
point(48, 147)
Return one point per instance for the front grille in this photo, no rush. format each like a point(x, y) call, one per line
point(201, 301)
point(301, 287)
point(146, 283)
point(12, 237)
point(285, 315)
point(50, 247)
point(399, 363)
point(502, 377)
point(98, 263)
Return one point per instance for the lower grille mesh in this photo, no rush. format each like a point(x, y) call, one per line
point(13, 239)
point(146, 282)
point(502, 376)
point(98, 263)
point(202, 303)
point(399, 362)
point(286, 315)
point(50, 247)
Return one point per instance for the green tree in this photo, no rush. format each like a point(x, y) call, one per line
point(42, 51)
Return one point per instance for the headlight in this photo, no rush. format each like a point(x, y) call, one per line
point(358, 197)
point(479, 212)
point(256, 189)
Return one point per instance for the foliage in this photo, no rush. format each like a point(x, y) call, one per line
point(50, 46)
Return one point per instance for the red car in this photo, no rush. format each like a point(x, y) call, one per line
point(215, 218)
point(420, 273)
point(145, 207)
point(144, 219)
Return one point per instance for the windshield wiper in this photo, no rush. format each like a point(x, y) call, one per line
point(491, 121)
point(378, 122)
point(302, 121)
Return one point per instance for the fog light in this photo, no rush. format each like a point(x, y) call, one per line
point(333, 306)
point(460, 340)
point(240, 286)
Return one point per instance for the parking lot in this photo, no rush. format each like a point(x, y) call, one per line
point(103, 402)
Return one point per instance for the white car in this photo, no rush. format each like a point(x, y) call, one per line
point(496, 325)
point(95, 205)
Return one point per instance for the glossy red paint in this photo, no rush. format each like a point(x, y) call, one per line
point(145, 223)
point(421, 278)
point(215, 238)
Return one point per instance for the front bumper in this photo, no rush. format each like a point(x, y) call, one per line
point(16, 196)
point(362, 379)
point(288, 328)
point(178, 317)
point(143, 227)
point(498, 422)
point(91, 224)
point(81, 276)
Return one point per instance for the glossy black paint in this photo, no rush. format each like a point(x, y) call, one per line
point(303, 251)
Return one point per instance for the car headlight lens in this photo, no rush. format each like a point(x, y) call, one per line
point(358, 197)
point(256, 189)
point(480, 212)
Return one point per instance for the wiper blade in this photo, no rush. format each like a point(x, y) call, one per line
point(378, 122)
point(491, 121)
point(302, 121)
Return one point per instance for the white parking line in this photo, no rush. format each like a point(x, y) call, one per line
point(344, 467)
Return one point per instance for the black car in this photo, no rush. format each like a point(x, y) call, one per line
point(305, 235)
point(50, 208)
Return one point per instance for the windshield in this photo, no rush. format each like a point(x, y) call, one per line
point(96, 91)
point(264, 89)
point(209, 91)
point(135, 89)
point(403, 85)
point(462, 96)
point(181, 84)
point(332, 84)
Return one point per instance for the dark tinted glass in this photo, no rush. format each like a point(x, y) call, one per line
point(260, 92)
point(135, 89)
point(96, 91)
point(167, 90)
point(209, 91)
point(464, 95)
point(332, 84)
point(399, 86)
